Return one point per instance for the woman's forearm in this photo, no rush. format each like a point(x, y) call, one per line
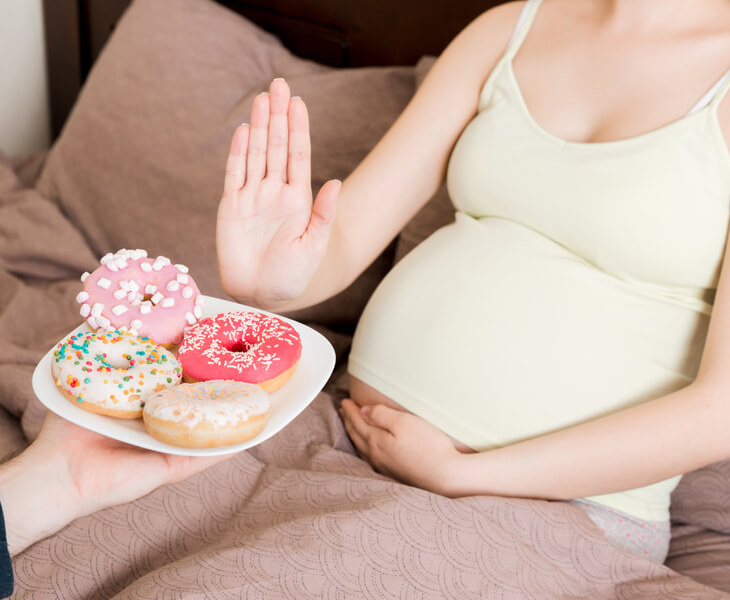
point(632, 448)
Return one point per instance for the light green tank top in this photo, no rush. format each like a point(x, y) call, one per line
point(577, 279)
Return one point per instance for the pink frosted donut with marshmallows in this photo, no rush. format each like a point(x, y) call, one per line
point(146, 296)
point(250, 347)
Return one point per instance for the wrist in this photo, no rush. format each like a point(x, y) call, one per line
point(467, 477)
point(456, 481)
point(36, 498)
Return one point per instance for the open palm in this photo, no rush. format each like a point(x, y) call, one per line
point(271, 237)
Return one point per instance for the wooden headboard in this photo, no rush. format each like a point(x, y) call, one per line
point(340, 33)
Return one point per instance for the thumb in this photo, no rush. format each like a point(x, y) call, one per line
point(381, 416)
point(323, 209)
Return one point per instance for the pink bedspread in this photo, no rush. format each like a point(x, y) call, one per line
point(301, 516)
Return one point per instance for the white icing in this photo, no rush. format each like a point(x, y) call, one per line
point(221, 403)
point(148, 372)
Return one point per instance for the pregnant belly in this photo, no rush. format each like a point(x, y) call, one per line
point(496, 334)
point(364, 395)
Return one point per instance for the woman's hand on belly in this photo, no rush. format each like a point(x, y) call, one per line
point(364, 395)
point(403, 446)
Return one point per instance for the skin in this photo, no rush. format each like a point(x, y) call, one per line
point(589, 72)
point(80, 472)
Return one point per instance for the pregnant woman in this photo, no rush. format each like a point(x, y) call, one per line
point(566, 337)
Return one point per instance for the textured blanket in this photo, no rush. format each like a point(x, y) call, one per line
point(301, 516)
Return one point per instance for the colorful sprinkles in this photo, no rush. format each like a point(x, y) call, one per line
point(93, 367)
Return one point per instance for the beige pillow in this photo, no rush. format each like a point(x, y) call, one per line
point(140, 161)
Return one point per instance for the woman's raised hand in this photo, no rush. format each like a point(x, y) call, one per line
point(271, 237)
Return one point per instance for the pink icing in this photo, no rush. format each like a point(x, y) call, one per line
point(243, 346)
point(165, 320)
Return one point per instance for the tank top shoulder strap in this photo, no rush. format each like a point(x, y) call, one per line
point(714, 95)
point(721, 91)
point(522, 26)
point(524, 22)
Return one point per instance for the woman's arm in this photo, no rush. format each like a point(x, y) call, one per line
point(396, 179)
point(668, 436)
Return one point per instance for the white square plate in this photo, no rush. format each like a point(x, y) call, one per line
point(315, 367)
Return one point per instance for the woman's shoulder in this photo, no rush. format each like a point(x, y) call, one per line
point(480, 44)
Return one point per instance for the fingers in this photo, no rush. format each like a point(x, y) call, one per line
point(357, 429)
point(299, 164)
point(236, 163)
point(277, 148)
point(278, 139)
point(258, 135)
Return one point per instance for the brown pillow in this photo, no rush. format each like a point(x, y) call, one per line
point(140, 161)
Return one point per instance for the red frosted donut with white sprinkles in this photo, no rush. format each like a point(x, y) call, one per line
point(251, 347)
point(146, 296)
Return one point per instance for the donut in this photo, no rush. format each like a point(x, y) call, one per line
point(251, 347)
point(147, 296)
point(111, 373)
point(207, 414)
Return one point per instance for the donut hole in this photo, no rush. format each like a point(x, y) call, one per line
point(240, 346)
point(147, 298)
point(116, 361)
point(119, 363)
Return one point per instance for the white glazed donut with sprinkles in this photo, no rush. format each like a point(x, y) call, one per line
point(147, 296)
point(207, 414)
point(112, 373)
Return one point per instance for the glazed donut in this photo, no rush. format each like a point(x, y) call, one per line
point(145, 296)
point(111, 373)
point(243, 346)
point(207, 414)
